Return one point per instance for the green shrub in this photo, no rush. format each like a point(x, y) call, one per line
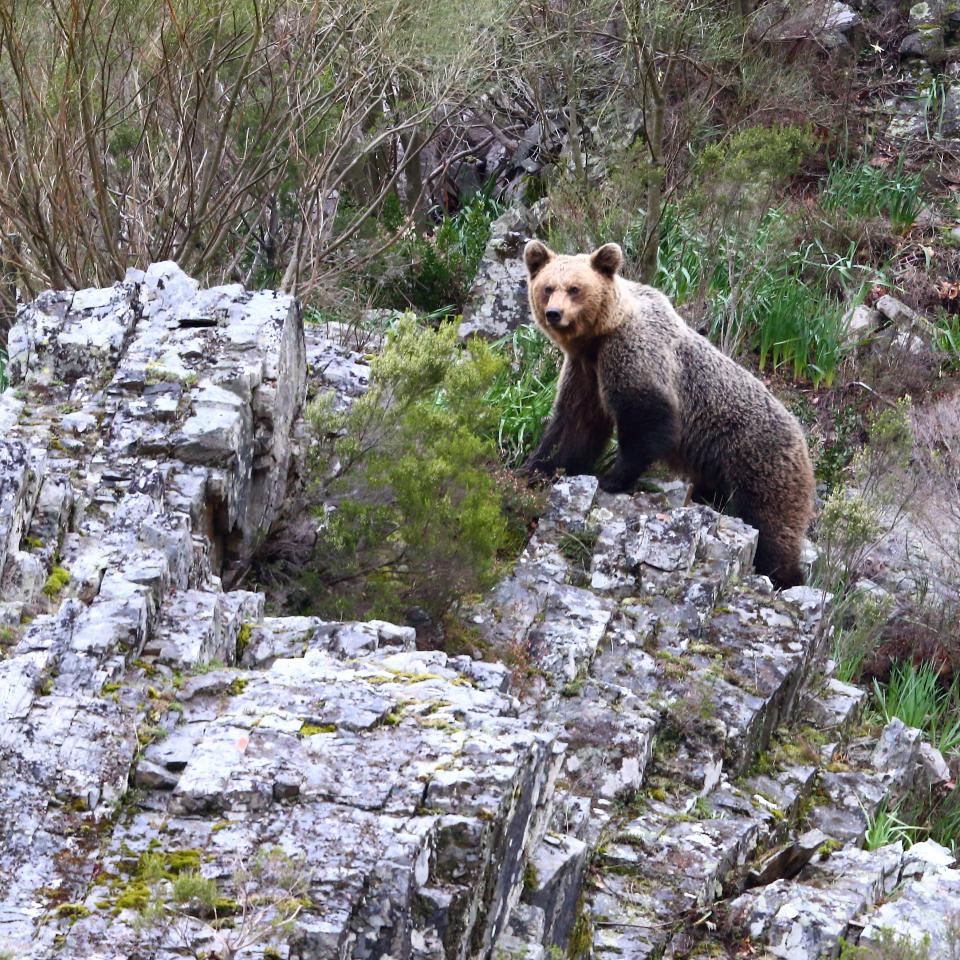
point(864, 190)
point(737, 173)
point(849, 525)
point(437, 270)
point(420, 514)
point(3, 370)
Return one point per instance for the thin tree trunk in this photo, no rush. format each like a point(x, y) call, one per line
point(655, 132)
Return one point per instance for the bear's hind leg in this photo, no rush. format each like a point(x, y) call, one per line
point(778, 546)
point(778, 557)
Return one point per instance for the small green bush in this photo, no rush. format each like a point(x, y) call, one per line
point(421, 514)
point(438, 269)
point(737, 173)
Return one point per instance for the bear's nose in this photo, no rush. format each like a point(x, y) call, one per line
point(554, 317)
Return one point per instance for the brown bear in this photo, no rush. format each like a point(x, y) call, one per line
point(632, 362)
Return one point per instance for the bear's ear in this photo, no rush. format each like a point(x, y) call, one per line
point(607, 259)
point(536, 256)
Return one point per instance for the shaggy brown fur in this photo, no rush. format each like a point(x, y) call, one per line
point(632, 362)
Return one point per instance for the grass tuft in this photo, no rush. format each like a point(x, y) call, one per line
point(912, 695)
point(885, 827)
point(523, 391)
point(864, 190)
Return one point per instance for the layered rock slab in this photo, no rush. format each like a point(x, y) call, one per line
point(148, 438)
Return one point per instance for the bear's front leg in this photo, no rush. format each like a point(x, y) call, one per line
point(543, 461)
point(579, 426)
point(648, 429)
point(620, 478)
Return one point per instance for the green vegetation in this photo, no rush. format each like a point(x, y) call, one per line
point(56, 583)
point(916, 696)
point(884, 827)
point(870, 190)
point(761, 294)
point(312, 729)
point(942, 821)
point(523, 391)
point(421, 514)
point(267, 894)
point(912, 694)
point(857, 623)
point(833, 458)
point(892, 946)
point(852, 519)
point(947, 338)
point(434, 270)
point(74, 911)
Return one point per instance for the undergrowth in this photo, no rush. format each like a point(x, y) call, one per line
point(432, 270)
point(415, 510)
point(866, 190)
point(947, 338)
point(764, 296)
point(885, 826)
point(523, 391)
point(916, 696)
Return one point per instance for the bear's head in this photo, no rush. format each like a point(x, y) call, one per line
point(573, 298)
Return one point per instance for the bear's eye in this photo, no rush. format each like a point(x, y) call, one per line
point(573, 291)
point(548, 291)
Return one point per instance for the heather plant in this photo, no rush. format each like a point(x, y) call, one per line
point(415, 511)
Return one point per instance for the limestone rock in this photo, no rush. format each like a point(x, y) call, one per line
point(498, 298)
point(861, 322)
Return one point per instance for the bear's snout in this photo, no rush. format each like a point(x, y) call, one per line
point(554, 317)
